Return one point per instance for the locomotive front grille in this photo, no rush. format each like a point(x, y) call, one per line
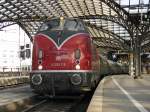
point(53, 83)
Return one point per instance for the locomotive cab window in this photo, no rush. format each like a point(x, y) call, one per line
point(51, 25)
point(68, 24)
point(44, 27)
point(73, 25)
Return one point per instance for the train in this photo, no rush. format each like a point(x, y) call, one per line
point(65, 59)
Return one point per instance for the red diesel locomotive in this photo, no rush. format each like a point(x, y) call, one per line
point(65, 59)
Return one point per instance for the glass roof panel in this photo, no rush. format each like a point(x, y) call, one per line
point(102, 16)
point(134, 6)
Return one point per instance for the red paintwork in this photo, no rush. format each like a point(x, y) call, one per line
point(63, 58)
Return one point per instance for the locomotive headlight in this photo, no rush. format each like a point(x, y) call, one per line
point(77, 67)
point(40, 67)
point(36, 79)
point(76, 79)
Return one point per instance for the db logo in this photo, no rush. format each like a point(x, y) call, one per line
point(58, 58)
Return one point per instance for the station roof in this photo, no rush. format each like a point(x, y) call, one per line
point(112, 24)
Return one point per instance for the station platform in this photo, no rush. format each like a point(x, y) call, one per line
point(13, 99)
point(121, 93)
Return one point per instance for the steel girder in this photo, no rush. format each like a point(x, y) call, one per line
point(24, 28)
point(111, 43)
point(116, 37)
point(145, 42)
point(5, 24)
point(117, 8)
point(117, 20)
point(29, 13)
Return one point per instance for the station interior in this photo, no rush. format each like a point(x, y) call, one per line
point(120, 30)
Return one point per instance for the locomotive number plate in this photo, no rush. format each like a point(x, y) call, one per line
point(57, 64)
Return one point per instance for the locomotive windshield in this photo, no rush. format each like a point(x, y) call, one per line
point(51, 25)
point(73, 25)
point(65, 24)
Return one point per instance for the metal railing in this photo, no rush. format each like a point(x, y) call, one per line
point(13, 72)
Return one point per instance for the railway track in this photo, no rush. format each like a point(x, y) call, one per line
point(61, 104)
point(13, 86)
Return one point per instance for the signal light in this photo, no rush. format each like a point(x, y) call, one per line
point(28, 53)
point(25, 51)
point(40, 67)
point(77, 67)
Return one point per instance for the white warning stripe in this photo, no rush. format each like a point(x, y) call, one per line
point(135, 102)
point(55, 71)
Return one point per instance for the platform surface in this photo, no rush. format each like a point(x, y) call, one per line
point(121, 93)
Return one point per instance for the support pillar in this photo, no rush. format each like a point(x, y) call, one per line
point(131, 69)
point(137, 58)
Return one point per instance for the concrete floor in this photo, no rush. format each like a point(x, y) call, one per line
point(122, 93)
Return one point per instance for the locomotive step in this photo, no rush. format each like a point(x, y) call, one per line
point(122, 93)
